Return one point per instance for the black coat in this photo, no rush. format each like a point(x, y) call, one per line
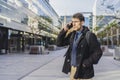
point(87, 53)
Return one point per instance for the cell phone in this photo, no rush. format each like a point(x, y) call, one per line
point(69, 25)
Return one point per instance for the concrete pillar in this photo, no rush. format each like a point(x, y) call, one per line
point(107, 37)
point(112, 36)
point(117, 34)
point(18, 42)
point(94, 15)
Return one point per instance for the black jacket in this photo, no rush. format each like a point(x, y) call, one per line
point(87, 53)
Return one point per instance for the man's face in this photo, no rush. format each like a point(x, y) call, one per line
point(77, 24)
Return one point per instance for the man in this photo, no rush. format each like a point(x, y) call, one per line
point(83, 51)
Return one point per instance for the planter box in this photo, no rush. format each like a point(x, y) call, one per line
point(36, 49)
point(52, 47)
point(106, 51)
point(117, 53)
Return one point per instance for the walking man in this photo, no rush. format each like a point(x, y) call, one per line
point(83, 51)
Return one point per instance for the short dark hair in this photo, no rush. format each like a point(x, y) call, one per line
point(79, 16)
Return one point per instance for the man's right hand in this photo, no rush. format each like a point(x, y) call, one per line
point(67, 26)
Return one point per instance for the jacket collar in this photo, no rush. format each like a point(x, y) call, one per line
point(85, 29)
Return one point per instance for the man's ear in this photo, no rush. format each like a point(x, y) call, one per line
point(82, 22)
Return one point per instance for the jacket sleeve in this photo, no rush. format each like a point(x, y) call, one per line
point(94, 51)
point(62, 40)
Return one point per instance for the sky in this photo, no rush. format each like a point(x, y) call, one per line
point(69, 7)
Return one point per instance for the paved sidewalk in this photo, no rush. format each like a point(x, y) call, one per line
point(48, 67)
point(19, 65)
point(50, 71)
point(106, 69)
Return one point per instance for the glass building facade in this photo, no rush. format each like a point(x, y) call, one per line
point(26, 22)
point(107, 22)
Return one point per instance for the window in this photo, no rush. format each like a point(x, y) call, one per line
point(0, 10)
point(5, 0)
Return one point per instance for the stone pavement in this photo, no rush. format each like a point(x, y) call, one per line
point(48, 67)
point(19, 65)
point(106, 69)
point(50, 71)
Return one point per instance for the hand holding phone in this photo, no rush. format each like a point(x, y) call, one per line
point(69, 25)
point(69, 29)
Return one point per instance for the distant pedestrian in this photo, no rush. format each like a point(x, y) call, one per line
point(84, 49)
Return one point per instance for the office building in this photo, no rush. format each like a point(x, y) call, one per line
point(26, 22)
